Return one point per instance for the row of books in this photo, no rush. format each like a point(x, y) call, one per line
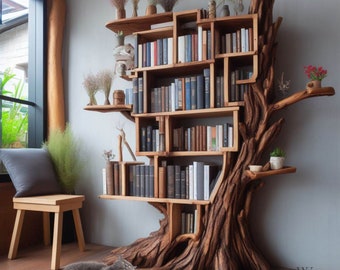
point(188, 221)
point(195, 46)
point(185, 93)
point(151, 139)
point(193, 182)
point(239, 41)
point(137, 95)
point(155, 53)
point(203, 138)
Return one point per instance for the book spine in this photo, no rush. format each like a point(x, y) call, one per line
point(170, 50)
point(142, 181)
point(109, 178)
point(206, 74)
point(193, 85)
point(149, 138)
point(200, 91)
point(187, 93)
point(177, 182)
point(170, 177)
point(116, 178)
point(162, 182)
point(135, 95)
point(165, 51)
point(143, 139)
point(152, 181)
point(140, 95)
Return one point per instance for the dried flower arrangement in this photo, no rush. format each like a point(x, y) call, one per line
point(120, 7)
point(167, 5)
point(135, 8)
point(91, 85)
point(105, 80)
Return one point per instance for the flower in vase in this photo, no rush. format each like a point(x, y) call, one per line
point(315, 73)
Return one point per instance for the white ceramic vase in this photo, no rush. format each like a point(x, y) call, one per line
point(276, 162)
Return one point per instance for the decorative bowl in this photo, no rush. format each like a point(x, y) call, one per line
point(255, 168)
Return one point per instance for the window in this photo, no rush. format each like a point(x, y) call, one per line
point(22, 75)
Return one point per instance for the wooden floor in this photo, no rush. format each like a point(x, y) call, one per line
point(39, 257)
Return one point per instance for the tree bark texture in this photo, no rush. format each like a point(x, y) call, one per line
point(224, 240)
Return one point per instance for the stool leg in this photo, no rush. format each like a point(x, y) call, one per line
point(56, 246)
point(46, 226)
point(79, 229)
point(16, 234)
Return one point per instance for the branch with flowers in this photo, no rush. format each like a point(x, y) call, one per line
point(315, 73)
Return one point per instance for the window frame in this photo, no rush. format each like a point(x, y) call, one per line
point(37, 32)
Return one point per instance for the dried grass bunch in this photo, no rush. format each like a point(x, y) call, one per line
point(92, 86)
point(105, 80)
point(167, 5)
point(119, 4)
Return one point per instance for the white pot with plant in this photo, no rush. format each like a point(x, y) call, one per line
point(277, 159)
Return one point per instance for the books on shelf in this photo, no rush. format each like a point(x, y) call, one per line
point(155, 53)
point(241, 40)
point(203, 138)
point(151, 139)
point(183, 93)
point(141, 180)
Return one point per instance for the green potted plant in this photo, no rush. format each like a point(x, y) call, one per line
point(277, 158)
point(64, 150)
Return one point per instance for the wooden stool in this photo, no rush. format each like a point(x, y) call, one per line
point(56, 204)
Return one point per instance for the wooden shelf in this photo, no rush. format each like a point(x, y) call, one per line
point(140, 23)
point(258, 175)
point(154, 200)
point(109, 108)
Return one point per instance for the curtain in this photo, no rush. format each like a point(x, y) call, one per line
point(55, 87)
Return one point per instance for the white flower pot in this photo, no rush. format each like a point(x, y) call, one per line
point(276, 162)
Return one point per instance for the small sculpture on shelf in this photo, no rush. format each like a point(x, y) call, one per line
point(124, 55)
point(122, 139)
point(91, 85)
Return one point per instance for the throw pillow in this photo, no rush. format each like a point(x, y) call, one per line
point(31, 171)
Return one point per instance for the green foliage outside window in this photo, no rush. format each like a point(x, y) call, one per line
point(14, 116)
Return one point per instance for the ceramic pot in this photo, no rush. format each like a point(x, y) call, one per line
point(151, 9)
point(276, 162)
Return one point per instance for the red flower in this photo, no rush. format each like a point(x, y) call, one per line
point(315, 73)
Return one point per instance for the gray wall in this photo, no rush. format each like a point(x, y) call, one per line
point(295, 218)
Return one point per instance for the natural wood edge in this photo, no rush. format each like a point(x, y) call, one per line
point(108, 108)
point(123, 109)
point(154, 200)
point(258, 175)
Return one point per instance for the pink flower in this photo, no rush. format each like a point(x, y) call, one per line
point(315, 73)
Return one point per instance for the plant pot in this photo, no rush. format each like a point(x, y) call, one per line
point(314, 84)
point(151, 9)
point(276, 162)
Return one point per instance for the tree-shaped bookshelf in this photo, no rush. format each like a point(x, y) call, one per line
point(222, 239)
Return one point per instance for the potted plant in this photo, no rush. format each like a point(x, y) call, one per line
point(277, 158)
point(316, 75)
point(64, 149)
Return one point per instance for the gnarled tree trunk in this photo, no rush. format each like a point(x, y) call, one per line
point(224, 241)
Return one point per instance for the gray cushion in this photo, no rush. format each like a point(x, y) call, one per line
point(31, 171)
